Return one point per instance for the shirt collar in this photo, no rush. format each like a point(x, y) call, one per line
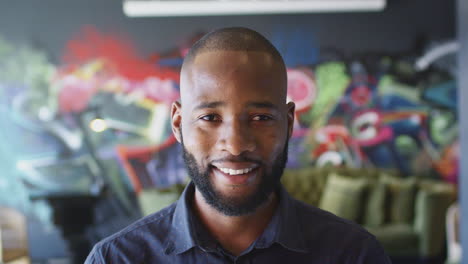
point(186, 232)
point(284, 228)
point(180, 237)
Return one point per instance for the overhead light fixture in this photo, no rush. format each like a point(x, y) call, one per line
point(162, 8)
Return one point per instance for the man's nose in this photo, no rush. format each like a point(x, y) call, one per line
point(236, 138)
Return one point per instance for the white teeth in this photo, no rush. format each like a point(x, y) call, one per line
point(235, 172)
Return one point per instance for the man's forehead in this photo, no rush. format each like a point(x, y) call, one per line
point(213, 66)
point(232, 57)
point(247, 70)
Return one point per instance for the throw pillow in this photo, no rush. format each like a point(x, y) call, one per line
point(342, 196)
point(400, 199)
point(374, 215)
point(303, 184)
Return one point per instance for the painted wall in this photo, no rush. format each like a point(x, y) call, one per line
point(364, 110)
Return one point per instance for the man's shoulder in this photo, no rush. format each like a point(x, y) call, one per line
point(130, 244)
point(152, 227)
point(318, 222)
point(338, 239)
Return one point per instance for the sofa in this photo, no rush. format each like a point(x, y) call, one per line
point(406, 214)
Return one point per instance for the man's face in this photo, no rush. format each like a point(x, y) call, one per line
point(234, 125)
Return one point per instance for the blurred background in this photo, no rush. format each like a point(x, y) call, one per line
point(85, 94)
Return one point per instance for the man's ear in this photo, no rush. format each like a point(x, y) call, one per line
point(176, 120)
point(291, 108)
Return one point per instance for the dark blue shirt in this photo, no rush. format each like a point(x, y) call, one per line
point(297, 233)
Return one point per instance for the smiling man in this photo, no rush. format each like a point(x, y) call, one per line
point(234, 124)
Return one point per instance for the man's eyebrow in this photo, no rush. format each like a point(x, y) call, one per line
point(205, 105)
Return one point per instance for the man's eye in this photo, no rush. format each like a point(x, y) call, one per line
point(210, 118)
point(262, 118)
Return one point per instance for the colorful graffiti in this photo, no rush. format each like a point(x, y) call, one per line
point(349, 113)
point(377, 121)
point(70, 117)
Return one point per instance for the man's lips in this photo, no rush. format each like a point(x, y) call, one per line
point(235, 168)
point(235, 173)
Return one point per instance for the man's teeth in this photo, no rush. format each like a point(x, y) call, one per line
point(235, 172)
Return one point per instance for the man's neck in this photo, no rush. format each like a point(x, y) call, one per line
point(235, 233)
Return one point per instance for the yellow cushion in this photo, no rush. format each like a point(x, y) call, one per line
point(342, 196)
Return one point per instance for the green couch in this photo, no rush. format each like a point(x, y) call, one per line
point(407, 215)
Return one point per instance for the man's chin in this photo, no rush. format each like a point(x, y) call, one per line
point(238, 200)
point(233, 202)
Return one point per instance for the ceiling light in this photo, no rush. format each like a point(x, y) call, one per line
point(155, 8)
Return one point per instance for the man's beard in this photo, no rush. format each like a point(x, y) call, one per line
point(227, 205)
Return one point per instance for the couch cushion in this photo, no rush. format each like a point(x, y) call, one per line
point(304, 184)
point(342, 196)
point(374, 214)
point(397, 239)
point(400, 202)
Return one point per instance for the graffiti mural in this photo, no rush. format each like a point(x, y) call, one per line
point(105, 101)
point(375, 120)
point(63, 123)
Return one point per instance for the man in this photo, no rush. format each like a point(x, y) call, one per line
point(234, 125)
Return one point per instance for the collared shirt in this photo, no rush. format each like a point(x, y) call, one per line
point(297, 233)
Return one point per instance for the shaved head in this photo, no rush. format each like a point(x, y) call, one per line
point(234, 39)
